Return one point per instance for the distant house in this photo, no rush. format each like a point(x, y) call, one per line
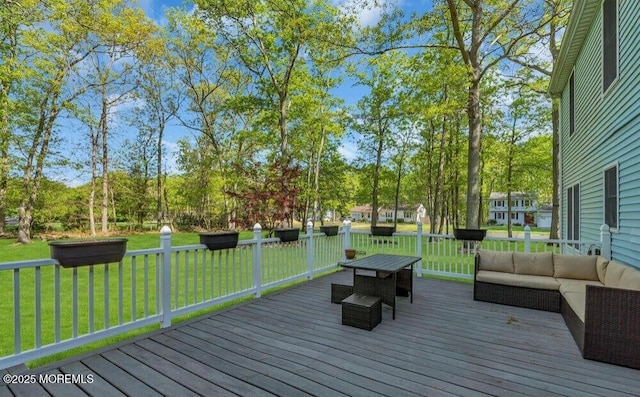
point(596, 78)
point(543, 217)
point(362, 213)
point(523, 208)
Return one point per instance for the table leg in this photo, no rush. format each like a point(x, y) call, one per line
point(395, 285)
point(411, 283)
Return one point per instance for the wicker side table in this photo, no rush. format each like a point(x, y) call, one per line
point(362, 311)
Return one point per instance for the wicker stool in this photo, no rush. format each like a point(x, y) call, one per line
point(340, 291)
point(362, 311)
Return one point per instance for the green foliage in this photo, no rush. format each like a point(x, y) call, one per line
point(250, 84)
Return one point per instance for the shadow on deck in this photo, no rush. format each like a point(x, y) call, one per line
point(292, 343)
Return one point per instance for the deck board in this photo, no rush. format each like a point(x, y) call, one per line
point(292, 343)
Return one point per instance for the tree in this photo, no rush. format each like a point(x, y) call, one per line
point(54, 52)
point(15, 17)
point(496, 30)
point(379, 115)
point(215, 92)
point(119, 31)
point(269, 39)
point(529, 58)
point(161, 99)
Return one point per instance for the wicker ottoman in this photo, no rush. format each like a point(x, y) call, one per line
point(362, 311)
point(340, 291)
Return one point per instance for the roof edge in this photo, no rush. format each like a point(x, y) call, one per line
point(576, 32)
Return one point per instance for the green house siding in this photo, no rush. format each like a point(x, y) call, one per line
point(607, 132)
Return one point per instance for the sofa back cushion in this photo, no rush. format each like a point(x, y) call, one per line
point(614, 273)
point(496, 261)
point(578, 267)
point(535, 264)
point(601, 267)
point(630, 279)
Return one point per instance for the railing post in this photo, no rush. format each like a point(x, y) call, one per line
point(310, 249)
point(605, 239)
point(527, 239)
point(419, 246)
point(257, 260)
point(346, 243)
point(165, 244)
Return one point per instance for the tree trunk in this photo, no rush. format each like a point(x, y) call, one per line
point(397, 192)
point(316, 178)
point(105, 163)
point(37, 152)
point(473, 169)
point(94, 176)
point(376, 182)
point(438, 186)
point(159, 215)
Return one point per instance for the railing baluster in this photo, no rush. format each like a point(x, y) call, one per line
point(91, 298)
point(195, 277)
point(146, 286)
point(158, 271)
point(134, 313)
point(204, 275)
point(176, 285)
point(212, 275)
point(75, 302)
point(120, 293)
point(16, 311)
point(219, 274)
point(56, 305)
point(186, 278)
point(38, 308)
point(105, 284)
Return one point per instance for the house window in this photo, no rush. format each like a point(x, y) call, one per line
point(611, 197)
point(609, 42)
point(572, 105)
point(573, 212)
point(514, 216)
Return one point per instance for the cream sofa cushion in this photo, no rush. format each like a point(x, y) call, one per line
point(601, 267)
point(534, 264)
point(579, 267)
point(630, 279)
point(572, 285)
point(518, 280)
point(577, 302)
point(614, 273)
point(496, 261)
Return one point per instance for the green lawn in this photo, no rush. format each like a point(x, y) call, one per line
point(225, 273)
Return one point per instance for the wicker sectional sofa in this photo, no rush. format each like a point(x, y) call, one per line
point(598, 299)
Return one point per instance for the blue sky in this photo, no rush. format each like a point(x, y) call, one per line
point(155, 9)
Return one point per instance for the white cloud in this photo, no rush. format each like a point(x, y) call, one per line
point(366, 12)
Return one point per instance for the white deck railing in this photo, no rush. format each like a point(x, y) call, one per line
point(48, 309)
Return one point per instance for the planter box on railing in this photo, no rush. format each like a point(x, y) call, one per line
point(73, 253)
point(219, 240)
point(382, 230)
point(470, 234)
point(329, 230)
point(286, 235)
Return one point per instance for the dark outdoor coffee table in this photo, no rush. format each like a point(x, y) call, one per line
point(391, 272)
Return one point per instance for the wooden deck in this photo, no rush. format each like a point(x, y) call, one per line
point(292, 343)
